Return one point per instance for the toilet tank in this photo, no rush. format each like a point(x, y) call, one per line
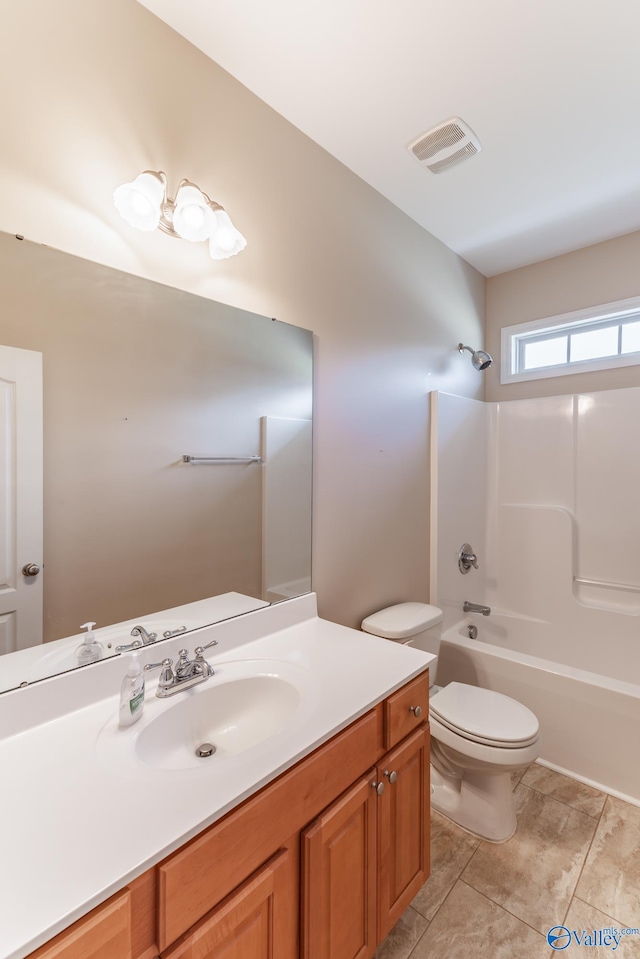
point(413, 624)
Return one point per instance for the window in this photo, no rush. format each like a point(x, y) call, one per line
point(596, 339)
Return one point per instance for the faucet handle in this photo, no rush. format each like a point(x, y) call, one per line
point(467, 558)
point(136, 644)
point(200, 649)
point(165, 663)
point(201, 662)
point(168, 633)
point(167, 677)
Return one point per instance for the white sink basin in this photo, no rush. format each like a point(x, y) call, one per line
point(248, 709)
point(233, 716)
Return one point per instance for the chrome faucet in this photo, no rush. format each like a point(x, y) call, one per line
point(476, 608)
point(143, 639)
point(146, 637)
point(187, 674)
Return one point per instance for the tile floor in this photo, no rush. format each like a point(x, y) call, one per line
point(574, 860)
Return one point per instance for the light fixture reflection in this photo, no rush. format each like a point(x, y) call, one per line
point(192, 216)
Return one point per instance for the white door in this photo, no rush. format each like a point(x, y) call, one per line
point(20, 498)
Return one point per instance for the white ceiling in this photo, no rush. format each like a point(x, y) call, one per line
point(551, 88)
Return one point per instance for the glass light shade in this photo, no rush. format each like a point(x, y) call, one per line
point(226, 241)
point(193, 218)
point(140, 201)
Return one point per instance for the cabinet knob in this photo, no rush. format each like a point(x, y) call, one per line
point(391, 776)
point(416, 710)
point(379, 787)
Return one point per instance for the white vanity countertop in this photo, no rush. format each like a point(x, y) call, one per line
point(82, 817)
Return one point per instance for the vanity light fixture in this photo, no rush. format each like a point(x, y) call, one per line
point(144, 203)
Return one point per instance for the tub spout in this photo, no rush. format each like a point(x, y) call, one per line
point(476, 608)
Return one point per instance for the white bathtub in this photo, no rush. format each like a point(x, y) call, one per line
point(590, 723)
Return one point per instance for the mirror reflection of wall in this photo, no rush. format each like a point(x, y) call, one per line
point(135, 375)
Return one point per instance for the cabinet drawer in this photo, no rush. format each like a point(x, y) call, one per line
point(191, 882)
point(249, 922)
point(400, 710)
point(103, 934)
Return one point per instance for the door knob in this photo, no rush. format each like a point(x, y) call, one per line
point(30, 569)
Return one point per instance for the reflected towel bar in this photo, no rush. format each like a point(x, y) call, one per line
point(622, 587)
point(220, 459)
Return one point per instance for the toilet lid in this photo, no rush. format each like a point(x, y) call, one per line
point(484, 716)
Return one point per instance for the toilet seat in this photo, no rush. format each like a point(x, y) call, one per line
point(484, 716)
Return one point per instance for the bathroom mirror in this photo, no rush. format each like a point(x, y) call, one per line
point(136, 376)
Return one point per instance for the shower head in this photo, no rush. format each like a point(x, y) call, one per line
point(480, 359)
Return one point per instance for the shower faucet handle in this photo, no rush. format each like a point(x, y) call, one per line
point(467, 558)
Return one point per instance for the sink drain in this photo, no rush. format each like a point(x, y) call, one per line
point(205, 750)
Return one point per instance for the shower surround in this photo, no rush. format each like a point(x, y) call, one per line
point(546, 492)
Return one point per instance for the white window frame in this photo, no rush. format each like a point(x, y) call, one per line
point(597, 317)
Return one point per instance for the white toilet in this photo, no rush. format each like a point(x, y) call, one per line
point(478, 736)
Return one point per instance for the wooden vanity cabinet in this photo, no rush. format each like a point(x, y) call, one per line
point(199, 876)
point(102, 934)
point(403, 827)
point(251, 923)
point(293, 871)
point(339, 869)
point(367, 855)
point(405, 710)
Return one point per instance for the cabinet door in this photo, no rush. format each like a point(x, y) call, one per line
point(339, 878)
point(403, 827)
point(247, 925)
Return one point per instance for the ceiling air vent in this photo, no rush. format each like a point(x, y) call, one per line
point(444, 146)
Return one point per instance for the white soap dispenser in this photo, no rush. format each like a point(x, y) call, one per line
point(91, 650)
point(132, 692)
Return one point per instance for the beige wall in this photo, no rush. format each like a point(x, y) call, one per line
point(91, 94)
point(595, 275)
